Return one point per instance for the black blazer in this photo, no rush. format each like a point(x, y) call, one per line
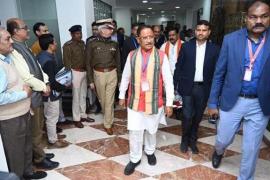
point(161, 40)
point(129, 45)
point(185, 67)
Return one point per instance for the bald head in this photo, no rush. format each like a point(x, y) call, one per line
point(18, 29)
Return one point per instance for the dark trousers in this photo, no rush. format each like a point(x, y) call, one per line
point(17, 142)
point(193, 109)
point(37, 124)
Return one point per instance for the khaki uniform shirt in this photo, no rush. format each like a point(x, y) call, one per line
point(74, 55)
point(102, 53)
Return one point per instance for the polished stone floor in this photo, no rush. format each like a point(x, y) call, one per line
point(92, 154)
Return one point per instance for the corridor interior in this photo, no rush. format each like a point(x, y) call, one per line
point(92, 154)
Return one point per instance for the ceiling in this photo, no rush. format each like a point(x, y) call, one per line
point(166, 7)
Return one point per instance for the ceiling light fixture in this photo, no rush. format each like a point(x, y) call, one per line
point(177, 7)
point(144, 1)
point(162, 11)
point(149, 8)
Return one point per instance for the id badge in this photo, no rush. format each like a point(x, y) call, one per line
point(145, 85)
point(248, 74)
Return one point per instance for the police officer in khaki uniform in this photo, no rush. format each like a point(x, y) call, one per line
point(74, 59)
point(103, 69)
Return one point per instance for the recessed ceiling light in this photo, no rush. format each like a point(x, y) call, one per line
point(144, 1)
point(149, 8)
point(162, 11)
point(177, 7)
point(142, 14)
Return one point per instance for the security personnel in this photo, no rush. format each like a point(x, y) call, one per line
point(74, 59)
point(103, 69)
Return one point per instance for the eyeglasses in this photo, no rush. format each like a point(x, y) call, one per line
point(25, 27)
point(147, 38)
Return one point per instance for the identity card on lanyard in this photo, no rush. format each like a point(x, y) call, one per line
point(145, 83)
point(252, 58)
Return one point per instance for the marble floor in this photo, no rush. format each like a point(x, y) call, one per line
point(94, 155)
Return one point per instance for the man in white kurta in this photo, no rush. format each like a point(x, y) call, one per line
point(144, 113)
point(172, 47)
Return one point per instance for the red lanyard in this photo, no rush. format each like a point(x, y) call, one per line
point(252, 57)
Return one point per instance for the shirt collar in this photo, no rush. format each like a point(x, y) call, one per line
point(260, 38)
point(202, 45)
point(6, 59)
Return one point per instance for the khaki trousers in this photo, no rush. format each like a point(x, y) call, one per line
point(106, 83)
point(51, 112)
point(79, 91)
point(37, 124)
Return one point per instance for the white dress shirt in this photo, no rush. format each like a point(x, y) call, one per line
point(173, 54)
point(200, 55)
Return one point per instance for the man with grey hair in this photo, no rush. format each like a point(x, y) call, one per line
point(32, 74)
point(15, 124)
point(103, 67)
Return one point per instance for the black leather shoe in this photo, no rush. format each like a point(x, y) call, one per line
point(152, 160)
point(194, 149)
point(49, 155)
point(35, 175)
point(47, 164)
point(184, 147)
point(129, 169)
point(216, 159)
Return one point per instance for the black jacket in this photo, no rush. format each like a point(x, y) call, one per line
point(185, 67)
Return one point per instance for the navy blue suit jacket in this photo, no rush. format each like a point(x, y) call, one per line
point(229, 73)
point(186, 66)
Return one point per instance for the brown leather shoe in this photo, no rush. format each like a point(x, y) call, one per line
point(61, 136)
point(58, 144)
point(88, 119)
point(109, 131)
point(78, 124)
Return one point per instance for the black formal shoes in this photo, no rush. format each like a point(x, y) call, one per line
point(49, 155)
point(152, 160)
point(47, 164)
point(35, 175)
point(129, 169)
point(216, 159)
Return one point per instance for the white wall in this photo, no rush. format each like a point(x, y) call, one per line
point(8, 9)
point(71, 12)
point(123, 18)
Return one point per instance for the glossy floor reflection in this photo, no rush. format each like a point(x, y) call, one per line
point(95, 155)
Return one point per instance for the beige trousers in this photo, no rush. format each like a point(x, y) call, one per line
point(51, 112)
point(106, 83)
point(79, 91)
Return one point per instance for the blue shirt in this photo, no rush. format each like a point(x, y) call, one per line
point(250, 87)
point(7, 97)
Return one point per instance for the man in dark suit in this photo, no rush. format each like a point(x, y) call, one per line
point(241, 88)
point(159, 36)
point(130, 44)
point(192, 79)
